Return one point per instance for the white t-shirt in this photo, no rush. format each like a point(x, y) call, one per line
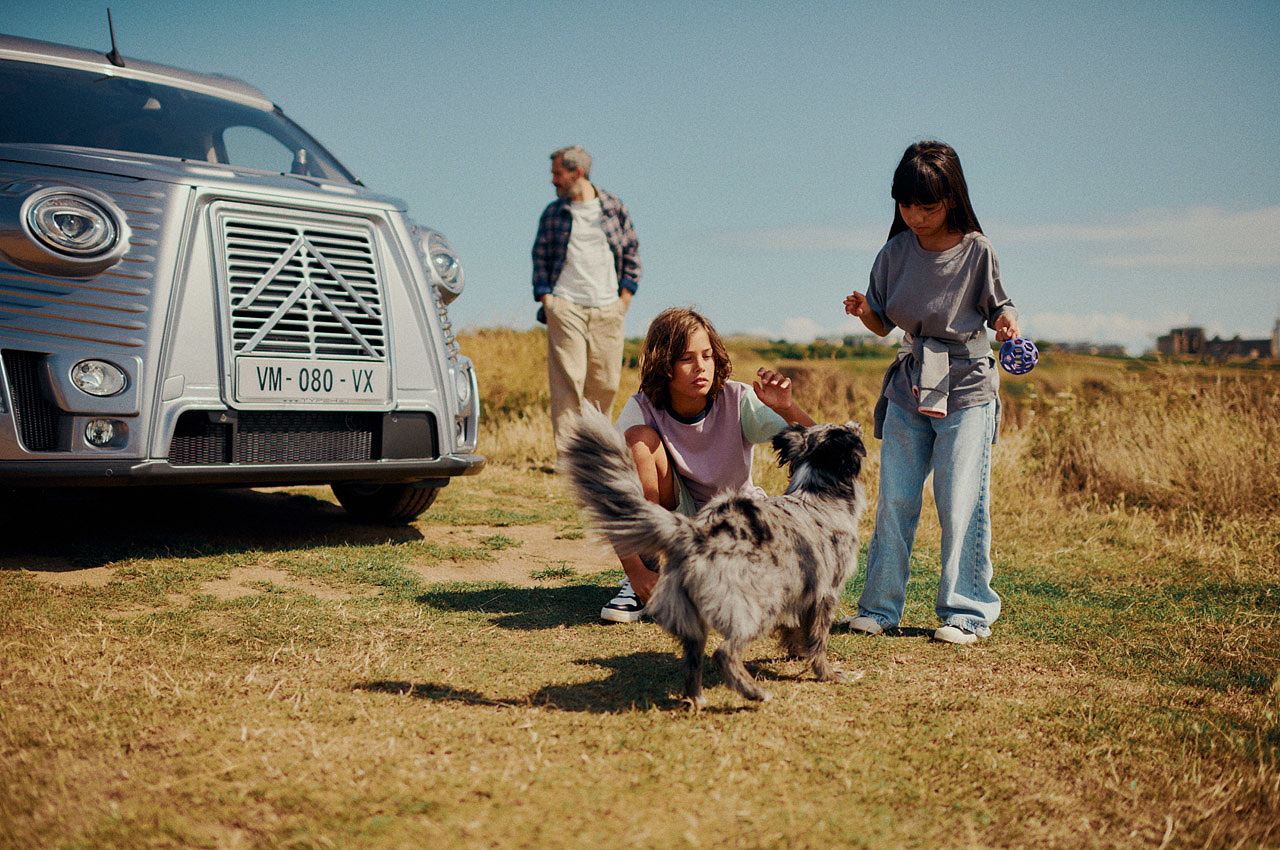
point(589, 276)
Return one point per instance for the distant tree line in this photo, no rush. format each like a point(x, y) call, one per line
point(850, 348)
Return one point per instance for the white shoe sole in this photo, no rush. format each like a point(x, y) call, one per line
point(953, 635)
point(613, 615)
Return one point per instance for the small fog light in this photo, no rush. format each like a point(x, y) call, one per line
point(100, 432)
point(98, 377)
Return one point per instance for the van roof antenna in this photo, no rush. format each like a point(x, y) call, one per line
point(114, 56)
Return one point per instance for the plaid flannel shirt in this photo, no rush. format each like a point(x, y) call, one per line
point(552, 243)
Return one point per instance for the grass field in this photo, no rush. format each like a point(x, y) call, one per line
point(249, 669)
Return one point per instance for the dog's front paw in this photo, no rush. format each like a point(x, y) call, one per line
point(694, 703)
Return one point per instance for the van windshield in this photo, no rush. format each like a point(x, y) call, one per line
point(51, 105)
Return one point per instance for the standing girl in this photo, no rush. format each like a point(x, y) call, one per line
point(938, 280)
point(691, 431)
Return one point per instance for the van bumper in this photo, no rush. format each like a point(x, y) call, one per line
point(434, 472)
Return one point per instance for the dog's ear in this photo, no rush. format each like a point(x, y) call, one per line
point(788, 443)
point(859, 447)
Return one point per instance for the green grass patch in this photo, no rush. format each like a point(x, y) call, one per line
point(559, 572)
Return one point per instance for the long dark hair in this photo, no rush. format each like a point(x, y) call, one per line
point(664, 343)
point(928, 173)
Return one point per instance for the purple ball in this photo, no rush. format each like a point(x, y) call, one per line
point(1018, 356)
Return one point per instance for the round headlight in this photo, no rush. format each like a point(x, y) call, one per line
point(445, 264)
point(72, 224)
point(98, 377)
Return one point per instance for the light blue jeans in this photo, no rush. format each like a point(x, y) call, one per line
point(957, 449)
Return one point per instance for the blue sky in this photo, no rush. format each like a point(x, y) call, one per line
point(1122, 157)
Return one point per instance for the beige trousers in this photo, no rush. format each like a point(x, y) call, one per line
point(584, 356)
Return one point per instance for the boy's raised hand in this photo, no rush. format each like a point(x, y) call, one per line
point(773, 388)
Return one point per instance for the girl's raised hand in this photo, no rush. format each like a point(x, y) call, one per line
point(856, 305)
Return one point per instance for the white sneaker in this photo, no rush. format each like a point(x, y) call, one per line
point(623, 608)
point(956, 635)
point(865, 625)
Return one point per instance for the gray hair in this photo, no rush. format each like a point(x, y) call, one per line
point(574, 157)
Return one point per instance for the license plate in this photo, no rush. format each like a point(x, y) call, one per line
point(262, 379)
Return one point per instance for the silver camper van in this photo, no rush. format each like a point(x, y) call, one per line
point(194, 291)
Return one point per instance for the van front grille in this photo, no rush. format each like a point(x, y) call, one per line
point(304, 437)
point(304, 289)
point(275, 438)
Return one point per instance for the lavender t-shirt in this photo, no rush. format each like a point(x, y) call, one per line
point(711, 452)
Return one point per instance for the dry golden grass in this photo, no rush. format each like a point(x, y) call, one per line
point(344, 696)
point(1170, 442)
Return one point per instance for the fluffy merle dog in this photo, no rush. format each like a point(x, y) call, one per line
point(744, 567)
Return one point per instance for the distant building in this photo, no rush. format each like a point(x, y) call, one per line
point(1191, 342)
point(1181, 341)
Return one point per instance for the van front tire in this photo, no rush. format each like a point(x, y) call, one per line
point(390, 504)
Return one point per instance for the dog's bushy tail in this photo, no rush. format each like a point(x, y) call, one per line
point(603, 475)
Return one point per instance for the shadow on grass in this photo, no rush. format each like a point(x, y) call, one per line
point(895, 632)
point(523, 608)
point(909, 632)
point(537, 608)
point(635, 683)
point(89, 528)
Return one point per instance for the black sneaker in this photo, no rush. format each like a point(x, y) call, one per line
point(623, 608)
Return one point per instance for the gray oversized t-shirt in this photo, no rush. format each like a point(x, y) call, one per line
point(947, 296)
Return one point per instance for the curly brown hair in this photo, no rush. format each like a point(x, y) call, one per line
point(664, 343)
